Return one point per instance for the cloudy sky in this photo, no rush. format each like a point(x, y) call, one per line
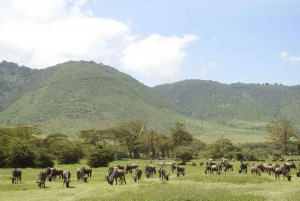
point(159, 41)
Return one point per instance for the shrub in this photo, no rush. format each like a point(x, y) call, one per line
point(100, 156)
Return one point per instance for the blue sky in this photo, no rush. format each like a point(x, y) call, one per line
point(159, 42)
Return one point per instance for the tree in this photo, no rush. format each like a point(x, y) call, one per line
point(197, 145)
point(100, 156)
point(183, 153)
point(180, 136)
point(129, 134)
point(281, 133)
point(20, 155)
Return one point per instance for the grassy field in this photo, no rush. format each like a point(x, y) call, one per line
point(195, 185)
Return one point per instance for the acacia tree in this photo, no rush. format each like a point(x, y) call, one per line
point(129, 134)
point(281, 133)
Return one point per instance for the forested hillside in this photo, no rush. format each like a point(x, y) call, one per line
point(236, 105)
point(80, 95)
point(75, 96)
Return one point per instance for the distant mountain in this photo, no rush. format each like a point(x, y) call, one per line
point(76, 96)
point(81, 95)
point(236, 105)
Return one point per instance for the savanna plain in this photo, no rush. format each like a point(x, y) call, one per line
point(195, 185)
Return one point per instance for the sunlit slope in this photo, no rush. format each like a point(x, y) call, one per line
point(75, 96)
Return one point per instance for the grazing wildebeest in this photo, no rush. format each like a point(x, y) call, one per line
point(255, 170)
point(216, 168)
point(290, 165)
point(162, 174)
point(193, 164)
point(129, 167)
point(180, 171)
point(66, 178)
point(53, 173)
point(81, 172)
point(114, 175)
point(149, 170)
point(228, 167)
point(41, 179)
point(15, 176)
point(282, 170)
point(138, 175)
point(201, 164)
point(243, 167)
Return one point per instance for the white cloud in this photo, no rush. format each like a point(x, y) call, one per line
point(157, 56)
point(40, 34)
point(215, 39)
point(285, 56)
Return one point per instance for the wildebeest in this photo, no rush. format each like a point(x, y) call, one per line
point(16, 175)
point(228, 166)
point(53, 172)
point(260, 166)
point(193, 164)
point(255, 170)
point(66, 178)
point(137, 175)
point(41, 179)
point(162, 174)
point(180, 170)
point(201, 163)
point(114, 174)
point(129, 167)
point(271, 168)
point(207, 168)
point(282, 170)
point(81, 172)
point(290, 165)
point(243, 167)
point(216, 168)
point(149, 170)
point(120, 167)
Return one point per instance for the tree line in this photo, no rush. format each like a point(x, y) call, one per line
point(25, 146)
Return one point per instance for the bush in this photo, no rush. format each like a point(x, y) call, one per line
point(100, 157)
point(183, 153)
point(20, 155)
point(44, 160)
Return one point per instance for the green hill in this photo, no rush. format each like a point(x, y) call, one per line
point(81, 95)
point(238, 106)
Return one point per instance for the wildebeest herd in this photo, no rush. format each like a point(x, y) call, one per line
point(118, 173)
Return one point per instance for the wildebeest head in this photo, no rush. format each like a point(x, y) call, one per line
point(167, 177)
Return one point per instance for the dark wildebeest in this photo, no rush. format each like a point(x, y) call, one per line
point(290, 165)
point(114, 174)
point(138, 174)
point(42, 179)
point(173, 167)
point(149, 170)
point(243, 167)
point(228, 166)
point(271, 168)
point(284, 171)
point(53, 173)
point(121, 167)
point(129, 167)
point(207, 168)
point(180, 170)
point(193, 164)
point(66, 178)
point(162, 174)
point(15, 176)
point(201, 164)
point(255, 170)
point(81, 172)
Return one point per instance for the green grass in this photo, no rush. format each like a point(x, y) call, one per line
point(195, 185)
